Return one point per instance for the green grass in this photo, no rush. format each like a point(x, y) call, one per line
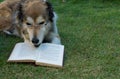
point(90, 31)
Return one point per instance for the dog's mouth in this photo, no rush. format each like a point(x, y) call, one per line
point(36, 45)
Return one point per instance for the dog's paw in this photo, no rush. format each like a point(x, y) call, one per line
point(7, 32)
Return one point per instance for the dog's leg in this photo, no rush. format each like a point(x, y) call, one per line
point(25, 36)
point(9, 31)
point(12, 31)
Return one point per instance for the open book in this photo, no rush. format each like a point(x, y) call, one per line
point(46, 54)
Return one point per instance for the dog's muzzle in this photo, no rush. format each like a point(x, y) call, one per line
point(36, 45)
point(35, 41)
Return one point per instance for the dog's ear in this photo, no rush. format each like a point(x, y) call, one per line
point(20, 14)
point(50, 11)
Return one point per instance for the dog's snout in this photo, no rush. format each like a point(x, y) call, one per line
point(35, 40)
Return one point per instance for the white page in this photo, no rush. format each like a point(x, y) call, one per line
point(23, 51)
point(50, 54)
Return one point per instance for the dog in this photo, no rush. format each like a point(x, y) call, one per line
point(35, 21)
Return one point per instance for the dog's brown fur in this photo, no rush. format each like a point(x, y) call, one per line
point(7, 8)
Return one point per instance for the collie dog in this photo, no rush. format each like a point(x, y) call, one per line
point(34, 20)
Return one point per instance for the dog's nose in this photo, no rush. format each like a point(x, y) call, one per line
point(35, 40)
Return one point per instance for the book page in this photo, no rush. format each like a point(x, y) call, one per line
point(22, 51)
point(51, 54)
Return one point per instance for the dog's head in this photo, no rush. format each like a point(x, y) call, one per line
point(37, 17)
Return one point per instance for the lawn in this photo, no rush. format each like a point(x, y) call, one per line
point(90, 31)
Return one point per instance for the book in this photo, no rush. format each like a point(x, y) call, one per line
point(46, 54)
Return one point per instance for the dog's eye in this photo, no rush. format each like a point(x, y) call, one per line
point(28, 23)
point(41, 23)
